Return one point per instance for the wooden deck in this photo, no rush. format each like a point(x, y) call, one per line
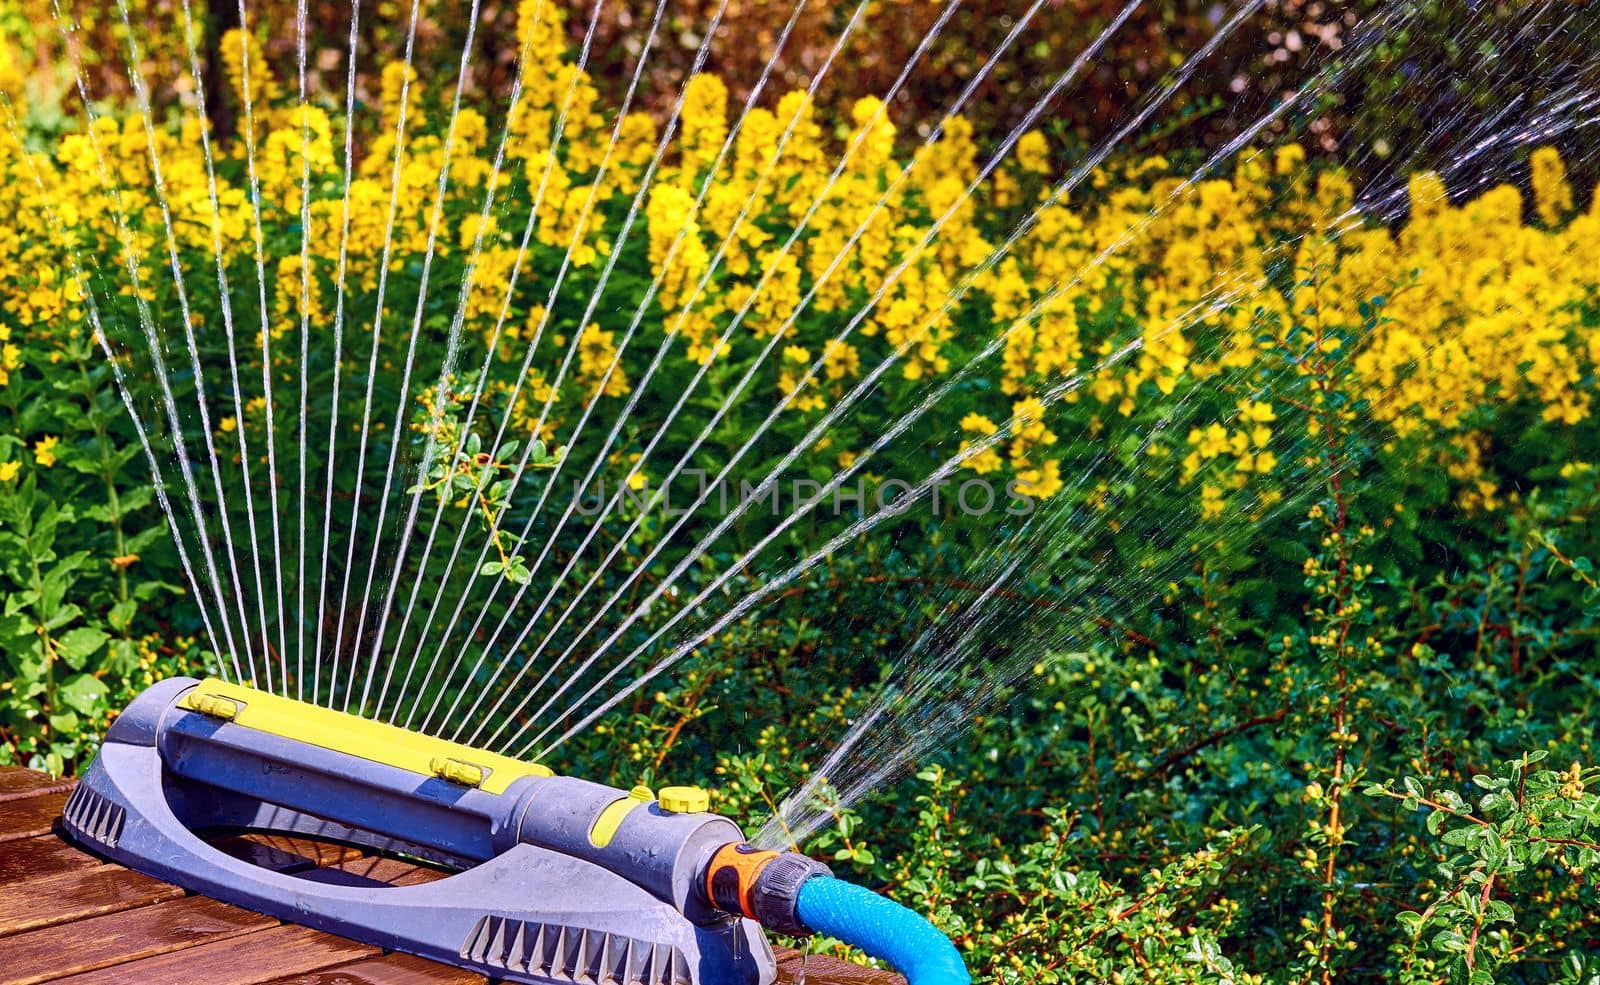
point(66, 916)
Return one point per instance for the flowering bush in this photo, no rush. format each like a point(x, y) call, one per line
point(1454, 59)
point(1350, 455)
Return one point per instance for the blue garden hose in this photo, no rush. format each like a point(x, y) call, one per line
point(882, 928)
point(795, 895)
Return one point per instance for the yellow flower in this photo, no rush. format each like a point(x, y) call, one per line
point(245, 64)
point(705, 122)
point(979, 424)
point(840, 359)
point(1256, 412)
point(1033, 153)
point(987, 460)
point(1289, 158)
point(9, 470)
point(10, 361)
point(44, 450)
point(1042, 482)
point(1427, 193)
point(597, 355)
point(1211, 442)
point(1552, 195)
point(792, 378)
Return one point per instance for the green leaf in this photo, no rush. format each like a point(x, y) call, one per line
point(82, 692)
point(63, 615)
point(78, 645)
point(121, 614)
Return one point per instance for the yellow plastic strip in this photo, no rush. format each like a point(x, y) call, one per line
point(359, 737)
point(611, 818)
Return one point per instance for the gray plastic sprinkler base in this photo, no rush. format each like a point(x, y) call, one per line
point(524, 912)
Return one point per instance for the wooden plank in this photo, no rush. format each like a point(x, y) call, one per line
point(77, 895)
point(821, 969)
point(35, 858)
point(391, 969)
point(249, 959)
point(115, 938)
point(374, 871)
point(17, 783)
point(30, 817)
point(285, 853)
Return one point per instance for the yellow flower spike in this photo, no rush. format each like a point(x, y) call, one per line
point(597, 352)
point(705, 123)
point(1552, 195)
point(1033, 153)
point(10, 362)
point(245, 65)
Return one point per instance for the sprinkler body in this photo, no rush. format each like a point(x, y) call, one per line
point(559, 879)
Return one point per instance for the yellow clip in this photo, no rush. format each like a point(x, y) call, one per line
point(215, 707)
point(611, 817)
point(456, 771)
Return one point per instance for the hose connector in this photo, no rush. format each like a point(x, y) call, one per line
point(762, 885)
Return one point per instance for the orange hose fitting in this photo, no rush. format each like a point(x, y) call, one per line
point(732, 875)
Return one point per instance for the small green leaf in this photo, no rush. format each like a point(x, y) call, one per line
point(82, 692)
point(78, 645)
point(121, 614)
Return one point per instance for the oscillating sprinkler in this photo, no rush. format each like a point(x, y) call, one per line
point(559, 880)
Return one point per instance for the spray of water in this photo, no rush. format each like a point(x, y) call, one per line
point(621, 594)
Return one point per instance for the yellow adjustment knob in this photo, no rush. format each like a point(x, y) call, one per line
point(456, 771)
point(216, 707)
point(642, 793)
point(684, 800)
